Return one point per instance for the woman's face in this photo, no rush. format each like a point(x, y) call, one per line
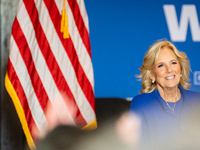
point(167, 70)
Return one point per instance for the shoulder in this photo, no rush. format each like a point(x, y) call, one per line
point(191, 97)
point(191, 94)
point(191, 101)
point(140, 101)
point(140, 98)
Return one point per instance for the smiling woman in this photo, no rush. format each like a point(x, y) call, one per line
point(151, 60)
point(165, 102)
point(166, 73)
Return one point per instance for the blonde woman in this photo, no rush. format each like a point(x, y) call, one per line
point(165, 101)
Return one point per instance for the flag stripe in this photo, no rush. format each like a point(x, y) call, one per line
point(20, 111)
point(75, 62)
point(24, 50)
point(82, 52)
point(51, 62)
point(40, 64)
point(20, 92)
point(81, 49)
point(83, 56)
point(49, 57)
point(46, 70)
point(23, 100)
point(80, 24)
point(28, 60)
point(26, 27)
point(84, 15)
point(24, 78)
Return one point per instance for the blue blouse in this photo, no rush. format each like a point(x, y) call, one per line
point(159, 123)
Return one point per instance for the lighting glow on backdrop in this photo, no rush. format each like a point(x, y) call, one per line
point(121, 31)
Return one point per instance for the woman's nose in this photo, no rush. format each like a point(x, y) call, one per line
point(169, 69)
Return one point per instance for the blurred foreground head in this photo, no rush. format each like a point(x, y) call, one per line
point(61, 111)
point(121, 134)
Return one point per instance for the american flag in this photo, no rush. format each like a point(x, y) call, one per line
point(43, 67)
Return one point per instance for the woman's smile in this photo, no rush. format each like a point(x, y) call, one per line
point(170, 77)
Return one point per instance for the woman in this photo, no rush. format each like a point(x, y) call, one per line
point(165, 102)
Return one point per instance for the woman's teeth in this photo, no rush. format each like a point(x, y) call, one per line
point(171, 77)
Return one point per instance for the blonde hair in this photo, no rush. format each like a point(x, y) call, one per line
point(149, 63)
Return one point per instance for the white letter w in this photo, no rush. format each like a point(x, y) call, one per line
point(188, 15)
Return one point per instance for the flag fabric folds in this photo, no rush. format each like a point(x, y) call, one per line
point(43, 67)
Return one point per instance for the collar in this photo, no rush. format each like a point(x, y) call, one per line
point(161, 101)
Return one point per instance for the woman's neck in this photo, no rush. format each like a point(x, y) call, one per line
point(170, 94)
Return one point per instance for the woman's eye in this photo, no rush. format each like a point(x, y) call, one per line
point(160, 65)
point(174, 62)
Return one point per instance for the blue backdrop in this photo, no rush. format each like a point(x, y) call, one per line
point(121, 31)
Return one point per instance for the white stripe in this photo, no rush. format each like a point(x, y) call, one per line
point(22, 73)
point(65, 65)
point(40, 64)
point(80, 48)
point(83, 13)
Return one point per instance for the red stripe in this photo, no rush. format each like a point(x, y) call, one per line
point(70, 50)
point(80, 24)
point(28, 61)
point(49, 57)
point(20, 92)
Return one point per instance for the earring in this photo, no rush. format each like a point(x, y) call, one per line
point(153, 81)
point(180, 75)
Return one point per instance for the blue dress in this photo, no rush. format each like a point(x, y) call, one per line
point(160, 125)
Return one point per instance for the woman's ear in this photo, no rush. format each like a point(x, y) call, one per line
point(152, 76)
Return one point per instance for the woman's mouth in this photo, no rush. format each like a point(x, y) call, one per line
point(170, 77)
